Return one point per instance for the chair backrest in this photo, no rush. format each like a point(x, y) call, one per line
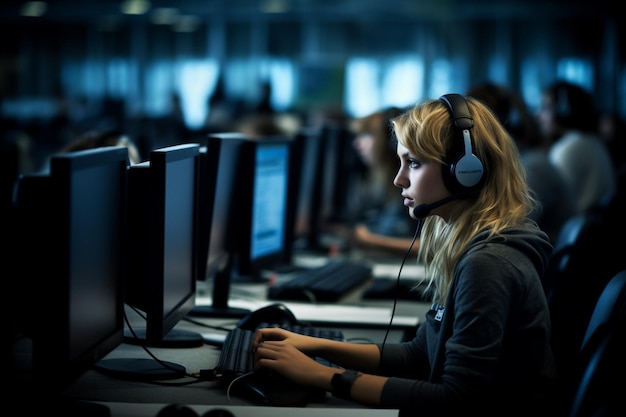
point(573, 237)
point(585, 259)
point(602, 356)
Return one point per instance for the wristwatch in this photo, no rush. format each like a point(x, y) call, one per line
point(342, 383)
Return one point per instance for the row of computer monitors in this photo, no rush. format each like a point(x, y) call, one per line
point(97, 233)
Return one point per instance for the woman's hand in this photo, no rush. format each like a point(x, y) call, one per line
point(282, 351)
point(303, 343)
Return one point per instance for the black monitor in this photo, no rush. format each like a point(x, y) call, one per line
point(223, 218)
point(71, 244)
point(160, 269)
point(327, 168)
point(250, 226)
point(342, 167)
point(264, 217)
point(306, 190)
point(207, 181)
point(160, 276)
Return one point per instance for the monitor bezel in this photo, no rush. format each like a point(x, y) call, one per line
point(56, 359)
point(145, 280)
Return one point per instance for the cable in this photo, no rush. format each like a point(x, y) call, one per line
point(231, 384)
point(201, 324)
point(162, 363)
point(418, 229)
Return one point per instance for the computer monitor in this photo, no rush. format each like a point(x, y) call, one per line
point(250, 222)
point(341, 169)
point(71, 246)
point(207, 182)
point(160, 276)
point(328, 167)
point(160, 268)
point(263, 223)
point(306, 187)
point(224, 217)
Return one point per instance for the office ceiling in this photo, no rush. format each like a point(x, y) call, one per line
point(303, 10)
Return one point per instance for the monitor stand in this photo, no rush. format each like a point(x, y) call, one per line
point(140, 369)
point(221, 292)
point(174, 339)
point(144, 369)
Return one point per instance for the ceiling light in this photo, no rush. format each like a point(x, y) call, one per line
point(164, 16)
point(34, 8)
point(136, 7)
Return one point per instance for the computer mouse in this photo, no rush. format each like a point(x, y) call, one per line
point(276, 313)
point(176, 410)
point(271, 389)
point(218, 412)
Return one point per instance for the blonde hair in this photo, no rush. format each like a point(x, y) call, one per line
point(504, 200)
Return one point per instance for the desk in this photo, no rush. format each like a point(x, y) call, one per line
point(151, 410)
point(133, 398)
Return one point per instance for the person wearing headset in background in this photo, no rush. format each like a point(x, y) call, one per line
point(485, 344)
point(556, 198)
point(569, 121)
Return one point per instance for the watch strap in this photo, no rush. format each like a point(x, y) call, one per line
point(342, 383)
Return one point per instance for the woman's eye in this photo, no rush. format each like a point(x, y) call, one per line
point(414, 164)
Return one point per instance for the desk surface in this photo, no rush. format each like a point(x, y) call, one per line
point(352, 310)
point(133, 398)
point(96, 386)
point(151, 410)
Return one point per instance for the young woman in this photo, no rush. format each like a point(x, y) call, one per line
point(485, 344)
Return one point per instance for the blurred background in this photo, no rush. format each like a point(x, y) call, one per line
point(166, 71)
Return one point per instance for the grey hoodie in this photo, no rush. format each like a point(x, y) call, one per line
point(488, 349)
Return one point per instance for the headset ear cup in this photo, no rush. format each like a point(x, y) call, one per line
point(465, 174)
point(468, 171)
point(465, 171)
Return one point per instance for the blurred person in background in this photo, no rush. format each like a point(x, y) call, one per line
point(101, 138)
point(381, 223)
point(557, 202)
point(568, 120)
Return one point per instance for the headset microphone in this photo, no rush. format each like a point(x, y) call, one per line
point(422, 210)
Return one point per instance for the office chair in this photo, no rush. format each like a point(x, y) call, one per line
point(572, 238)
point(601, 362)
point(579, 268)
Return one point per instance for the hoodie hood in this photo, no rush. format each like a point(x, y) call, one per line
point(530, 242)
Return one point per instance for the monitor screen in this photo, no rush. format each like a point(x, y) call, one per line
point(72, 242)
point(264, 217)
point(160, 276)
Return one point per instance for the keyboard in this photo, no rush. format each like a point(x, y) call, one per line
point(235, 370)
point(327, 283)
